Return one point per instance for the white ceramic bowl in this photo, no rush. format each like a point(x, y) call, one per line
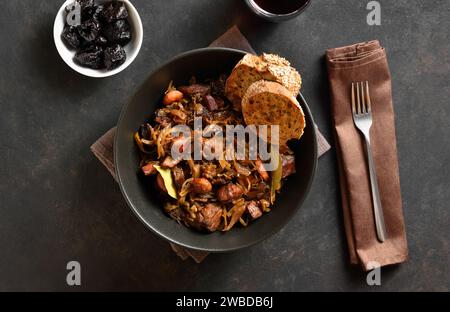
point(132, 48)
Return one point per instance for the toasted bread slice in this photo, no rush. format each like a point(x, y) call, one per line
point(270, 103)
point(265, 67)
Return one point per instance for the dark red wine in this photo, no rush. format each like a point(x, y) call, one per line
point(281, 6)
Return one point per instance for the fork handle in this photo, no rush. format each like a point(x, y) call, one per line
point(377, 209)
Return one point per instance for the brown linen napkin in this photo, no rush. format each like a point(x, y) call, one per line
point(103, 148)
point(367, 62)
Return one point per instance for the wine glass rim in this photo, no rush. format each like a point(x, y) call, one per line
point(260, 10)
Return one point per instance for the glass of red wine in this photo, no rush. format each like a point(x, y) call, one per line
point(277, 10)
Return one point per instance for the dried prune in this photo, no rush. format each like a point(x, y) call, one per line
point(118, 32)
point(114, 56)
point(101, 41)
point(71, 37)
point(91, 57)
point(89, 30)
point(114, 10)
point(86, 4)
point(94, 12)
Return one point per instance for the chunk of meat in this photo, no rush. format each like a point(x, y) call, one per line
point(261, 170)
point(219, 101)
point(210, 103)
point(253, 210)
point(229, 192)
point(208, 218)
point(148, 169)
point(195, 89)
point(170, 162)
point(288, 164)
point(178, 176)
point(163, 121)
point(163, 117)
point(160, 184)
point(219, 181)
point(258, 191)
point(201, 185)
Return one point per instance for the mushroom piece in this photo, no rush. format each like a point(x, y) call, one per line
point(170, 162)
point(201, 185)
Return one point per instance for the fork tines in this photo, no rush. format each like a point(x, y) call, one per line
point(361, 98)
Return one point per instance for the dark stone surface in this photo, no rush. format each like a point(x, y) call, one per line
point(58, 204)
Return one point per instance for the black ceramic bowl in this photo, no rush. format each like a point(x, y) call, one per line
point(141, 197)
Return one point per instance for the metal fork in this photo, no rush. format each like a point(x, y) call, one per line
point(362, 117)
